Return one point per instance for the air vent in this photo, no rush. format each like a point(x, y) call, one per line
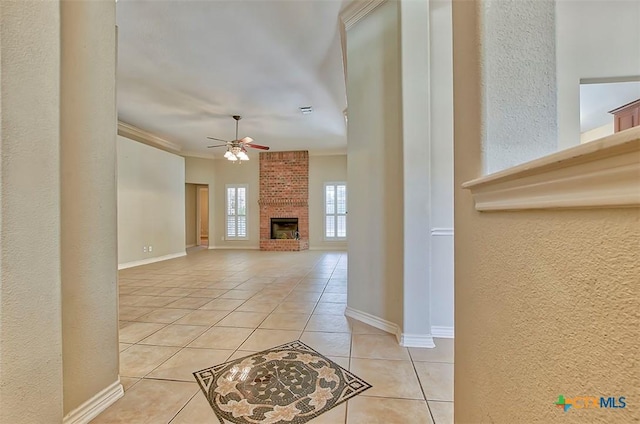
point(305, 110)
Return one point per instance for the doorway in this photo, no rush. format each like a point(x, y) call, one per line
point(196, 215)
point(202, 219)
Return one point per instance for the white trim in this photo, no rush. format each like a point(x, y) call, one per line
point(442, 332)
point(234, 248)
point(94, 406)
point(372, 320)
point(442, 232)
point(191, 245)
point(151, 260)
point(417, 340)
point(357, 10)
point(137, 134)
point(601, 173)
point(405, 340)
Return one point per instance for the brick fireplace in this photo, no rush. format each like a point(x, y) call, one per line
point(284, 194)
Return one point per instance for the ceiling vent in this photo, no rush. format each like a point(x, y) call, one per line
point(306, 110)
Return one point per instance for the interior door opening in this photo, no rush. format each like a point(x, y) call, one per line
point(203, 215)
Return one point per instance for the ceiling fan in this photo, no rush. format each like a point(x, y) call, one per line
point(236, 149)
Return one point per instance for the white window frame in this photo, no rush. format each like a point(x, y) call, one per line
point(335, 214)
point(226, 210)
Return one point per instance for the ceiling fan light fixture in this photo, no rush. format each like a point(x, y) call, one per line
point(228, 154)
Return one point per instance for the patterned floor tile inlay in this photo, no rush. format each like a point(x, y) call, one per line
point(291, 383)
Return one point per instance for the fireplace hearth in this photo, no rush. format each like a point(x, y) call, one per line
point(284, 229)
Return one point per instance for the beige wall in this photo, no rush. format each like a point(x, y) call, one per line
point(151, 185)
point(89, 211)
point(227, 172)
point(546, 301)
point(30, 288)
point(323, 169)
point(374, 166)
point(190, 214)
point(596, 133)
point(201, 171)
point(58, 295)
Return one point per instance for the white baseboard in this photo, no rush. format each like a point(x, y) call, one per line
point(372, 320)
point(191, 245)
point(151, 260)
point(94, 406)
point(328, 249)
point(234, 248)
point(442, 332)
point(416, 340)
point(406, 340)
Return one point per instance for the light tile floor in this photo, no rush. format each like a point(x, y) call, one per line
point(186, 314)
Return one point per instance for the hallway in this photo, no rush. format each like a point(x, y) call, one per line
point(190, 313)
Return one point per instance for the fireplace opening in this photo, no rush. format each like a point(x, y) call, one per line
point(284, 228)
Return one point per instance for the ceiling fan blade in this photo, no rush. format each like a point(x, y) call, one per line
point(246, 140)
point(217, 145)
point(257, 146)
point(218, 139)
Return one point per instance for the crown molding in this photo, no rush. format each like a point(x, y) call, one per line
point(600, 174)
point(188, 153)
point(357, 10)
point(142, 136)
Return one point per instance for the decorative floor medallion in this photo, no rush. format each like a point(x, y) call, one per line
point(291, 383)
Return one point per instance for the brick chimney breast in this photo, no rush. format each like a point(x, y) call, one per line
point(284, 193)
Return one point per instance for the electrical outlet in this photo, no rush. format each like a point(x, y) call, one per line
point(150, 248)
point(144, 249)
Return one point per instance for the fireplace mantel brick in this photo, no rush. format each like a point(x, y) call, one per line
point(284, 193)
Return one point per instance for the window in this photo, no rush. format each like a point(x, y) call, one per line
point(335, 211)
point(237, 212)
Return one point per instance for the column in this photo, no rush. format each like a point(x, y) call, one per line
point(89, 213)
point(30, 303)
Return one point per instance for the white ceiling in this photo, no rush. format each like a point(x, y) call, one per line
point(184, 67)
point(596, 100)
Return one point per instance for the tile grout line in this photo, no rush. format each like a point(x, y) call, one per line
point(424, 395)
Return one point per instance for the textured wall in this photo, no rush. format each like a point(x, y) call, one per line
point(151, 184)
point(89, 211)
point(323, 169)
point(227, 172)
point(546, 301)
point(519, 79)
point(201, 171)
point(30, 304)
point(374, 165)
